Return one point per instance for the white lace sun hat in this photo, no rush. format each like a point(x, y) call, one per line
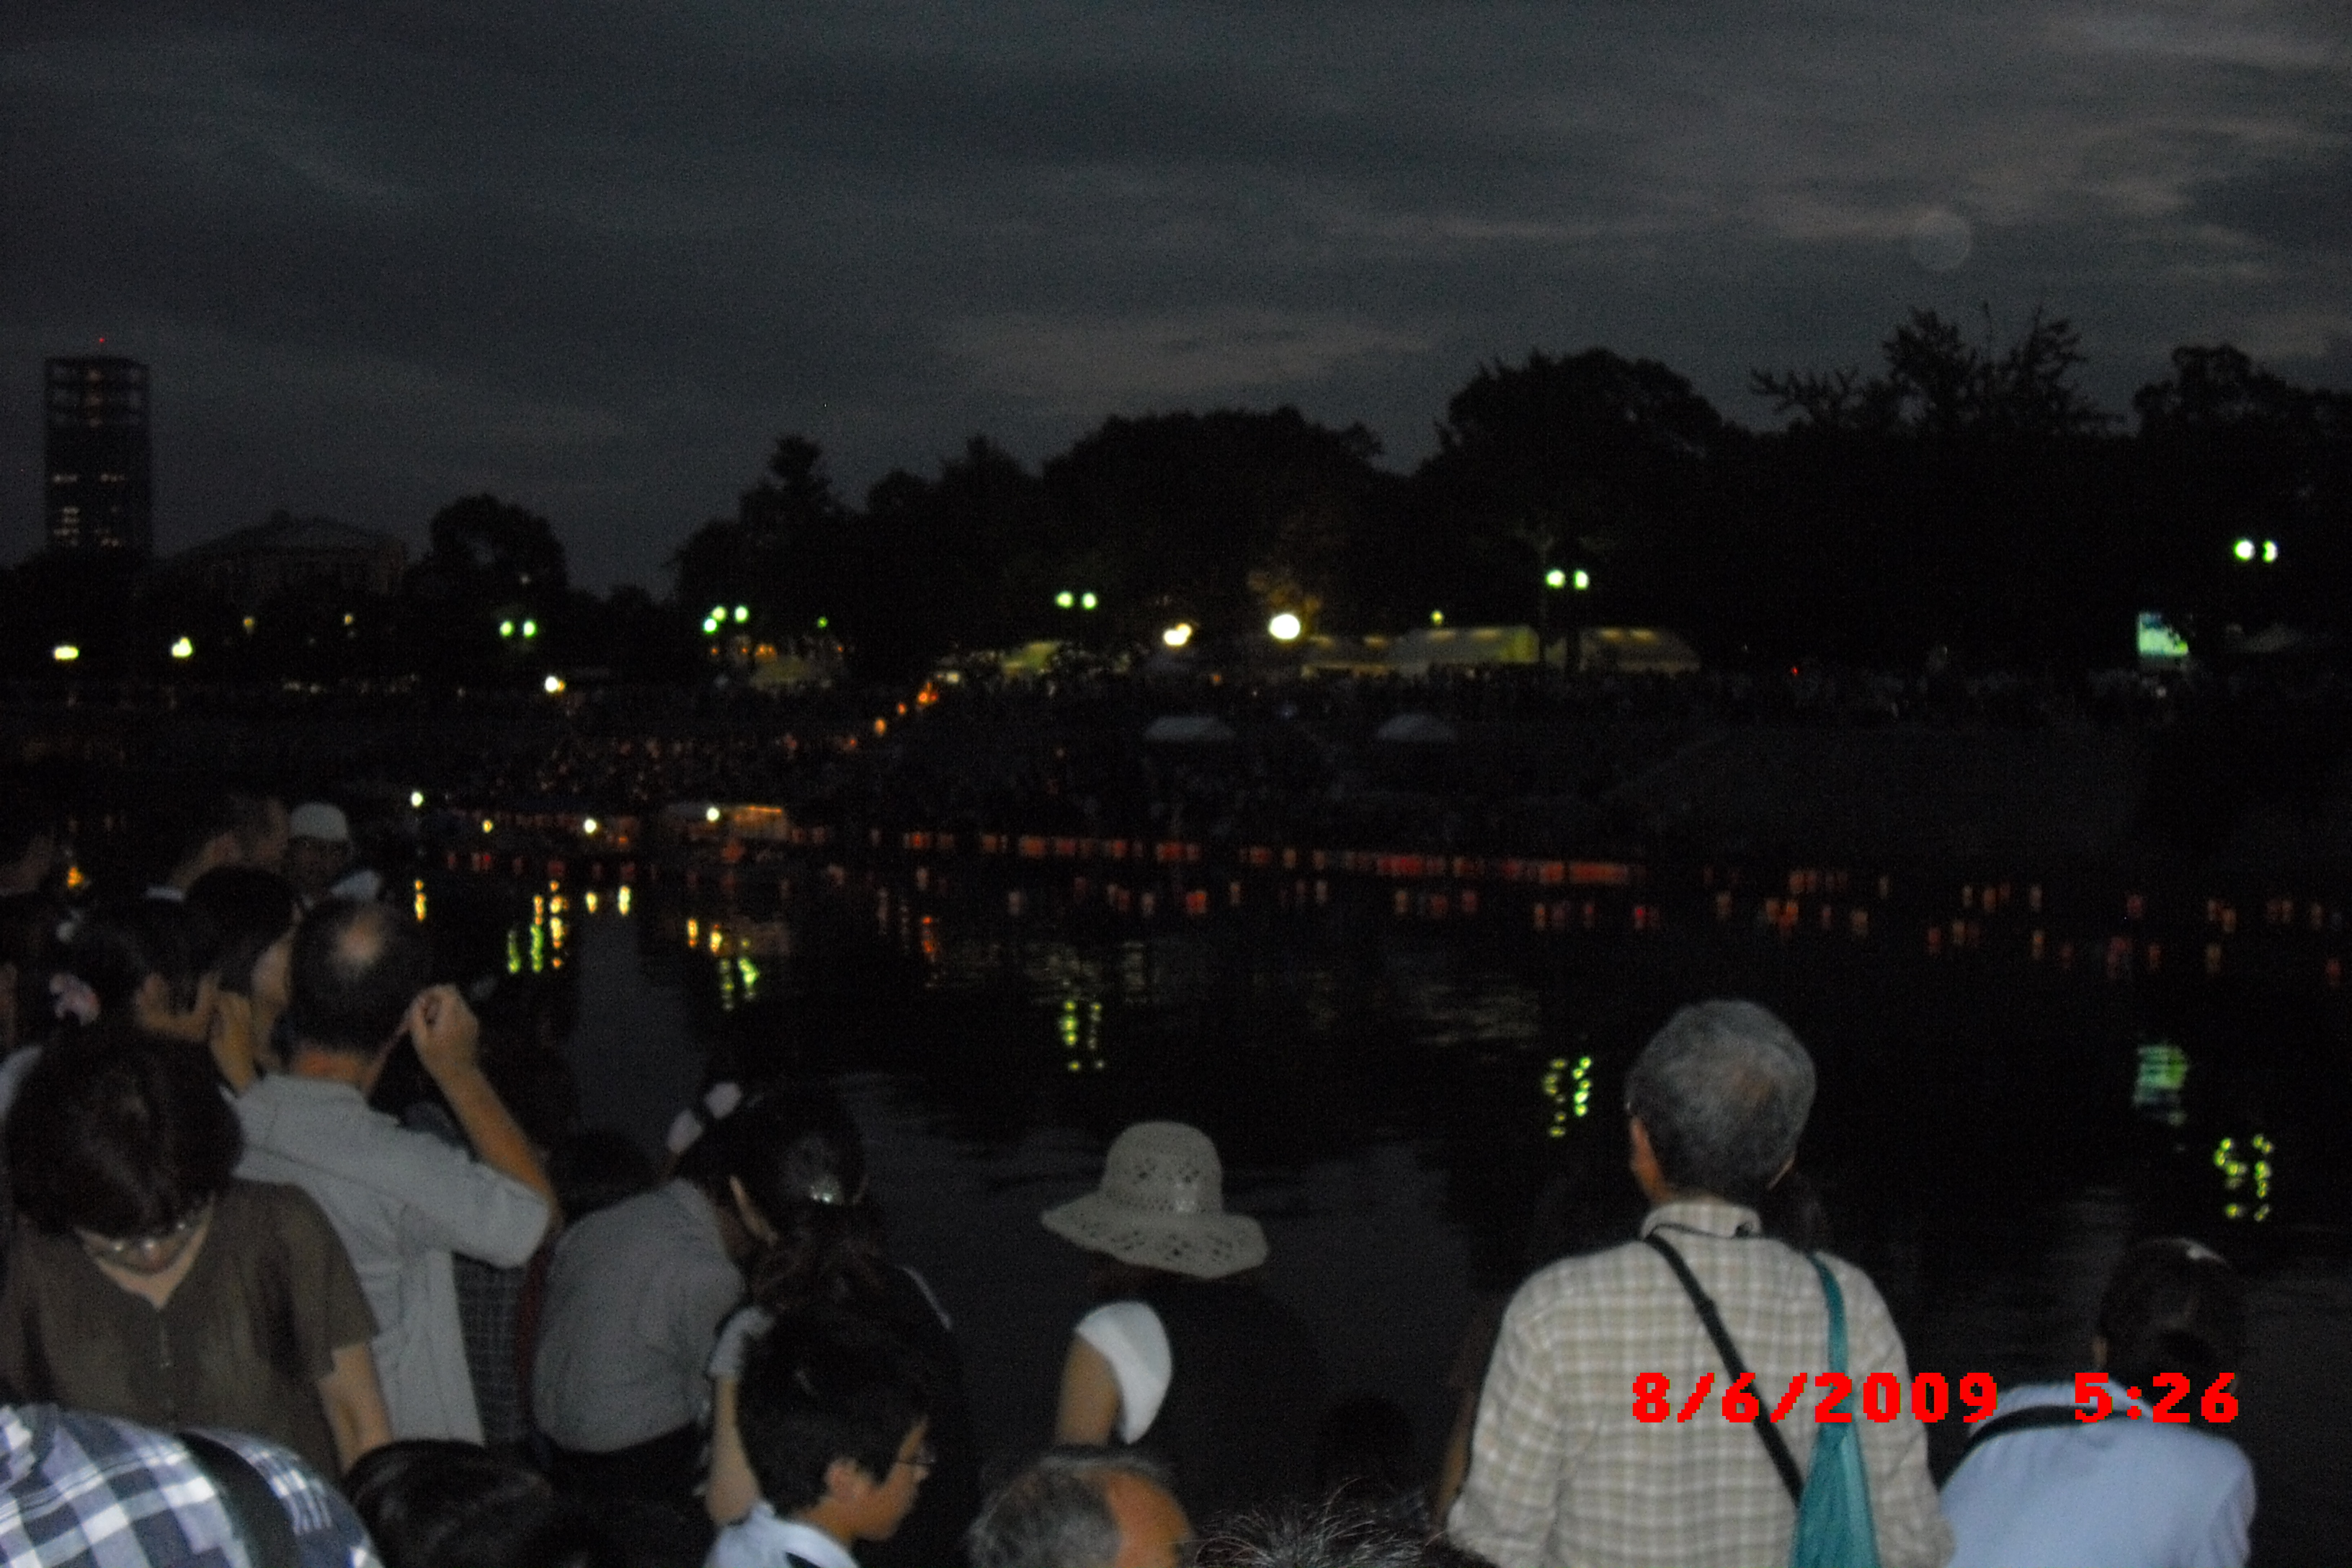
point(1161, 1205)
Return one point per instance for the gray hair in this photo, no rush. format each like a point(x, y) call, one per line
point(1723, 1090)
point(1332, 1534)
point(1053, 1514)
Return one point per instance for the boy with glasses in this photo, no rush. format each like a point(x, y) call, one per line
point(834, 1421)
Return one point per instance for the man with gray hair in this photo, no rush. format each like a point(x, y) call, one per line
point(1590, 1447)
point(1082, 1508)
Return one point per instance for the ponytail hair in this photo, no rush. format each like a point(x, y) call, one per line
point(797, 1153)
point(2173, 1306)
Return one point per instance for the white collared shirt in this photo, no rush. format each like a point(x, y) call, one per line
point(762, 1539)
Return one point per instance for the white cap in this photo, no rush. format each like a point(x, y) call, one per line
point(317, 819)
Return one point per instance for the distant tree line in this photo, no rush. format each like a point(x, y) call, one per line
point(1964, 494)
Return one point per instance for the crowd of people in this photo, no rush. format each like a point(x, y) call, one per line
point(308, 1261)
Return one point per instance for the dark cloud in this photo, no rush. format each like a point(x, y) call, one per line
point(2303, 205)
point(596, 255)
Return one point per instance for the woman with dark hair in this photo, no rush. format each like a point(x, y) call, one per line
point(144, 962)
point(824, 1247)
point(155, 1285)
point(634, 1297)
point(2134, 1489)
point(253, 913)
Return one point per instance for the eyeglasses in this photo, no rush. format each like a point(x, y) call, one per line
point(146, 1252)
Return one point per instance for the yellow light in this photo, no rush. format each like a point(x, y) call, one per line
point(1178, 635)
point(710, 813)
point(416, 800)
point(589, 827)
point(2270, 552)
point(881, 726)
point(531, 629)
point(1284, 628)
point(591, 900)
point(1066, 599)
point(1087, 601)
point(1555, 578)
point(64, 653)
point(693, 931)
point(184, 648)
point(1583, 579)
point(742, 613)
point(552, 685)
point(349, 617)
point(718, 940)
point(488, 827)
point(621, 899)
point(248, 625)
point(1437, 618)
point(506, 629)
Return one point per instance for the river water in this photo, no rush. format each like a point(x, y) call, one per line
point(1395, 1095)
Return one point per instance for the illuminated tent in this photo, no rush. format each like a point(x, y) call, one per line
point(1187, 730)
point(1417, 730)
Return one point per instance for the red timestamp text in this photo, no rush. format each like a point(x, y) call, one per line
point(1929, 1398)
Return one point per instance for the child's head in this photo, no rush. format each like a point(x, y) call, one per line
point(834, 1416)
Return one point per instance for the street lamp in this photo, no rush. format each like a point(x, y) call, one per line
point(1583, 579)
point(1066, 599)
point(184, 648)
point(1284, 628)
point(1087, 601)
point(1555, 578)
point(64, 653)
point(1178, 635)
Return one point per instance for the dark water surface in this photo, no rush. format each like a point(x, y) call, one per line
point(1392, 1097)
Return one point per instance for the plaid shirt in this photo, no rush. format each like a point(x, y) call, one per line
point(1563, 1473)
point(96, 1492)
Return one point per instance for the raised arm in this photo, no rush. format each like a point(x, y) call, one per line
point(448, 1042)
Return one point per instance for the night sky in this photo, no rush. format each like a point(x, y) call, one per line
point(595, 255)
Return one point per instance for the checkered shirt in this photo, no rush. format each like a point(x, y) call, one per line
point(1563, 1476)
point(95, 1492)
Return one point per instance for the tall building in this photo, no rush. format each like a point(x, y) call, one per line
point(101, 492)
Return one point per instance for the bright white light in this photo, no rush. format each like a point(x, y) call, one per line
point(64, 653)
point(531, 629)
point(1283, 627)
point(2244, 549)
point(1178, 635)
point(552, 684)
point(1555, 578)
point(710, 813)
point(1087, 601)
point(506, 629)
point(742, 612)
point(184, 648)
point(416, 800)
point(1066, 599)
point(589, 827)
point(1583, 579)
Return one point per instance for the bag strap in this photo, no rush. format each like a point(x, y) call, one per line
point(255, 1513)
point(2031, 1416)
point(1765, 1431)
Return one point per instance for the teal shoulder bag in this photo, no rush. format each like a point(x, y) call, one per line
point(1834, 1527)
